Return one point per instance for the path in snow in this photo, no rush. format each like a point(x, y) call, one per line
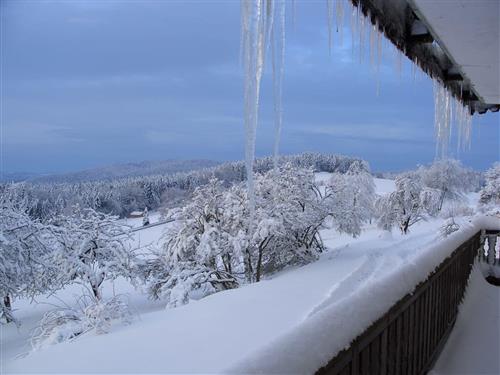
point(347, 286)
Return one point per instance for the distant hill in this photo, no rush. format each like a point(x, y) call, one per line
point(18, 176)
point(143, 168)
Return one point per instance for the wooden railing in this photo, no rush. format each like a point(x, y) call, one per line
point(410, 336)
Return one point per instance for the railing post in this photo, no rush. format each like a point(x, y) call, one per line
point(491, 240)
point(482, 250)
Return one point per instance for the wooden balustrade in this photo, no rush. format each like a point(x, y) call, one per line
point(410, 336)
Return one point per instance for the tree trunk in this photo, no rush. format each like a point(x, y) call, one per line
point(404, 226)
point(8, 307)
point(441, 201)
point(95, 288)
point(262, 246)
point(97, 292)
point(248, 268)
point(259, 264)
point(226, 260)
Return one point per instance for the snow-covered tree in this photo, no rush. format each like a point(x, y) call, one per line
point(351, 198)
point(216, 244)
point(91, 249)
point(431, 201)
point(197, 251)
point(406, 205)
point(490, 194)
point(449, 177)
point(289, 213)
point(24, 250)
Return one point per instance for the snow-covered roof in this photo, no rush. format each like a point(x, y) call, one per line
point(456, 41)
point(469, 31)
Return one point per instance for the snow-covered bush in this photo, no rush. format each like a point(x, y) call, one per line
point(67, 323)
point(490, 194)
point(350, 198)
point(217, 243)
point(25, 245)
point(405, 206)
point(91, 249)
point(448, 227)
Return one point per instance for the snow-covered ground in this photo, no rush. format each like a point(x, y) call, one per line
point(255, 327)
point(15, 341)
point(142, 238)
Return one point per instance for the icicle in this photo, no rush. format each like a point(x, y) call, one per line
point(379, 56)
point(413, 72)
point(399, 62)
point(329, 14)
point(373, 39)
point(354, 19)
point(253, 34)
point(362, 30)
point(449, 113)
point(243, 28)
point(262, 25)
point(466, 128)
point(441, 119)
point(269, 23)
point(279, 45)
point(449, 119)
point(340, 20)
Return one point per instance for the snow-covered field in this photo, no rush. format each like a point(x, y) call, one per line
point(253, 327)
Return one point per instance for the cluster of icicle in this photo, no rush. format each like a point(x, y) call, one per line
point(263, 29)
point(449, 112)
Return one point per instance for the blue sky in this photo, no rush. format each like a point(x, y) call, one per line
point(89, 83)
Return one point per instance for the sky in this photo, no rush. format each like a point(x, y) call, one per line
point(92, 83)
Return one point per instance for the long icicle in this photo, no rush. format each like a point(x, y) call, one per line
point(278, 63)
point(254, 28)
point(340, 21)
point(329, 15)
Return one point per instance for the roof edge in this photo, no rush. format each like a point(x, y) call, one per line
point(403, 25)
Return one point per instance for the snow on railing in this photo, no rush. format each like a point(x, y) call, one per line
point(312, 344)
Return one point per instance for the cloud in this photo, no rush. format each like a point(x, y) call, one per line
point(38, 134)
point(138, 80)
point(402, 132)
